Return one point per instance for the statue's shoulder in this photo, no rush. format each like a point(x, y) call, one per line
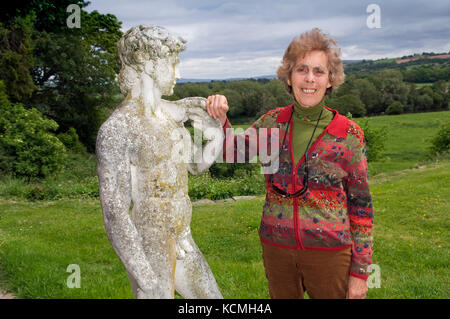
point(115, 127)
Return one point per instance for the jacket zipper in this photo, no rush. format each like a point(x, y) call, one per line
point(294, 178)
point(298, 238)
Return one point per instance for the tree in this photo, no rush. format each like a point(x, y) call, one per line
point(368, 94)
point(16, 58)
point(75, 70)
point(348, 104)
point(391, 87)
point(234, 100)
point(424, 102)
point(395, 108)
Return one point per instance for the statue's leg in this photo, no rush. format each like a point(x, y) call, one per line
point(160, 251)
point(193, 277)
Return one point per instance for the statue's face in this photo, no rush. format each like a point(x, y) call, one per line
point(166, 73)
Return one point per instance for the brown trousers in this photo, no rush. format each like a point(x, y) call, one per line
point(323, 274)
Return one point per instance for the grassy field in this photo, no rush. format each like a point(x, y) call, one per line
point(408, 139)
point(40, 239)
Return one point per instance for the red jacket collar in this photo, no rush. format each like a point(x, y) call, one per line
point(338, 126)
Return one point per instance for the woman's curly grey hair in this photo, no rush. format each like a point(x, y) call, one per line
point(152, 42)
point(311, 41)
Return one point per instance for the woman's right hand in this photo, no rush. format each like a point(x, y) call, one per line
point(217, 107)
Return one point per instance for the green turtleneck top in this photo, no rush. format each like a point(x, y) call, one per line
point(304, 120)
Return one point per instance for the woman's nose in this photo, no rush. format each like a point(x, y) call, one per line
point(309, 77)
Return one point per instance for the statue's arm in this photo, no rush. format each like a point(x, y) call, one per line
point(194, 109)
point(114, 178)
point(180, 110)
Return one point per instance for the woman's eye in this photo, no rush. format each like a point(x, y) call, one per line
point(319, 72)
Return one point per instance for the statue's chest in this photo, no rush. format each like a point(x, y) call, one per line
point(156, 143)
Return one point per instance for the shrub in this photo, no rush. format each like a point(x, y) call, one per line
point(375, 141)
point(204, 186)
point(220, 170)
point(71, 141)
point(27, 144)
point(440, 143)
point(395, 108)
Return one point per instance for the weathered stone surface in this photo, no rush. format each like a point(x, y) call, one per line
point(244, 197)
point(6, 295)
point(144, 155)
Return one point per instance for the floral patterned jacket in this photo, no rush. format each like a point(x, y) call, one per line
point(336, 210)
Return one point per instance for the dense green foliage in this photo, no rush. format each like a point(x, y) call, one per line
point(27, 143)
point(68, 74)
point(441, 141)
point(395, 108)
point(375, 141)
point(16, 58)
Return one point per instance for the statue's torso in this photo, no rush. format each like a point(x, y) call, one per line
point(159, 179)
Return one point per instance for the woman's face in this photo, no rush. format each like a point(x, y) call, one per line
point(309, 78)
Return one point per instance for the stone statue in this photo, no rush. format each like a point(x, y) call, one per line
point(144, 154)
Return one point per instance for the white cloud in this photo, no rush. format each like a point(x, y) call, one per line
point(225, 67)
point(248, 38)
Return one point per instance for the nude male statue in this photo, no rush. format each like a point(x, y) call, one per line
point(142, 172)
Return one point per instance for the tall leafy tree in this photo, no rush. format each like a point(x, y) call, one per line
point(74, 69)
point(16, 56)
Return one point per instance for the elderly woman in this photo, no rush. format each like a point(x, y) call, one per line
point(316, 226)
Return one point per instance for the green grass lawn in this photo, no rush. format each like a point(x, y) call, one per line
point(38, 240)
point(408, 139)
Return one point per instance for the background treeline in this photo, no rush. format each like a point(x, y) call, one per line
point(363, 94)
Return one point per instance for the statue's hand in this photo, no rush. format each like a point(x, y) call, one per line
point(198, 102)
point(201, 120)
point(195, 102)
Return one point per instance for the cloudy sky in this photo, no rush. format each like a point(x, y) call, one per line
point(247, 38)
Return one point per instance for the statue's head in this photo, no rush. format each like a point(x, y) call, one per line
point(153, 50)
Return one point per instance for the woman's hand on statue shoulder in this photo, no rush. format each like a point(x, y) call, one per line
point(217, 107)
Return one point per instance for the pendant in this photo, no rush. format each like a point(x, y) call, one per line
point(306, 119)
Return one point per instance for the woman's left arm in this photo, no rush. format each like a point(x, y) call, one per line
point(359, 204)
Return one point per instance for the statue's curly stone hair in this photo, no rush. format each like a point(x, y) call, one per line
point(149, 40)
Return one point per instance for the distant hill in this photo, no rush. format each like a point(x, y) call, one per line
point(269, 77)
point(395, 63)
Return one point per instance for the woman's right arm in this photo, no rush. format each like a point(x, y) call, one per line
point(240, 148)
point(217, 107)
